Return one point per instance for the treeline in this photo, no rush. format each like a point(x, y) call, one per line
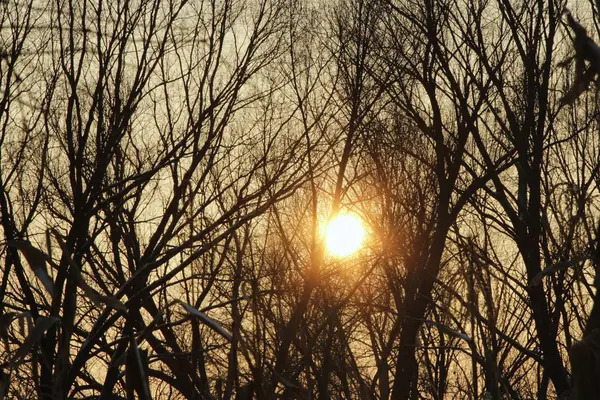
point(167, 168)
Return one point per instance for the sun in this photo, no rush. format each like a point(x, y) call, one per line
point(344, 235)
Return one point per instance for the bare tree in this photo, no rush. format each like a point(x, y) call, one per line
point(167, 170)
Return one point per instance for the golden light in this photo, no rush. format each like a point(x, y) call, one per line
point(344, 235)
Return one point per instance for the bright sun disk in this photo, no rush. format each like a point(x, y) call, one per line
point(344, 235)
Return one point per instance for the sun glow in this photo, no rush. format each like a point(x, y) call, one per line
point(344, 235)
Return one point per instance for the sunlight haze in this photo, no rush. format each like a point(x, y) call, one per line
point(344, 235)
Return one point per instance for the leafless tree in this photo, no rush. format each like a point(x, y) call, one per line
point(167, 170)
